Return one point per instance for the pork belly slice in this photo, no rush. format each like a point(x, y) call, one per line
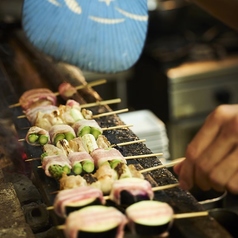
point(49, 149)
point(37, 97)
point(81, 162)
point(127, 191)
point(37, 136)
point(56, 165)
point(87, 126)
point(101, 156)
point(70, 200)
point(31, 113)
point(60, 132)
point(66, 90)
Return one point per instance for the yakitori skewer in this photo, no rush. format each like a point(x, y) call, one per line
point(137, 157)
point(103, 129)
point(95, 83)
point(98, 103)
point(114, 145)
point(175, 216)
point(154, 189)
point(155, 222)
point(150, 218)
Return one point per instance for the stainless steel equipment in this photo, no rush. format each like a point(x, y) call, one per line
point(188, 71)
point(194, 90)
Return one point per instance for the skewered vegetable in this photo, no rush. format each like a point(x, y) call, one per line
point(60, 132)
point(81, 162)
point(149, 218)
point(37, 136)
point(89, 143)
point(95, 221)
point(111, 155)
point(56, 165)
point(85, 126)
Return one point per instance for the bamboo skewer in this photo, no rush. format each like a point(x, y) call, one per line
point(91, 84)
point(171, 164)
point(32, 159)
point(14, 105)
point(87, 105)
point(110, 113)
point(116, 127)
point(143, 156)
point(175, 216)
point(128, 143)
point(98, 103)
point(190, 214)
point(159, 188)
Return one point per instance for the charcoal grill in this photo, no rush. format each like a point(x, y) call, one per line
point(21, 68)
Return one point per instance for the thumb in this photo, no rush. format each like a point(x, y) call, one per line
point(177, 167)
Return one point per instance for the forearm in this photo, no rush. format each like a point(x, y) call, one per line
point(224, 10)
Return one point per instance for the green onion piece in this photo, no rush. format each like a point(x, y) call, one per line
point(95, 132)
point(88, 166)
point(77, 168)
point(58, 137)
point(114, 163)
point(43, 139)
point(84, 131)
point(76, 114)
point(69, 136)
point(33, 138)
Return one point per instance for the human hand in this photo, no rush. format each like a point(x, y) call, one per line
point(212, 156)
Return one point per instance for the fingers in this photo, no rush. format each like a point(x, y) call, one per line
point(205, 136)
point(223, 176)
point(189, 173)
point(232, 185)
point(212, 157)
point(177, 167)
point(211, 151)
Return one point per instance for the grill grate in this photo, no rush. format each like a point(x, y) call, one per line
point(51, 76)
